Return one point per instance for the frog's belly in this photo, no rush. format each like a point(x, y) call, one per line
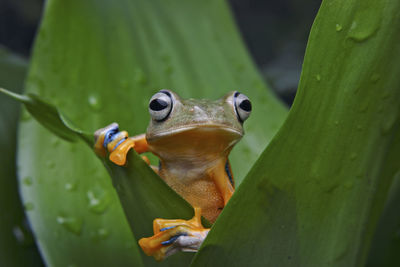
point(198, 189)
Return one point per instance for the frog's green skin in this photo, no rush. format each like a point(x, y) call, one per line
point(193, 139)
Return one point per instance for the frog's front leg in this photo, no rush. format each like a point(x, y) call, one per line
point(223, 179)
point(118, 143)
point(171, 236)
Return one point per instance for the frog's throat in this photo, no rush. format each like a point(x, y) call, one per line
point(211, 127)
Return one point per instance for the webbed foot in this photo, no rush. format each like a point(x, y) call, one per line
point(117, 143)
point(171, 236)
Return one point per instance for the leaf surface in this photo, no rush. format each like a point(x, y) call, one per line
point(17, 247)
point(99, 62)
point(314, 196)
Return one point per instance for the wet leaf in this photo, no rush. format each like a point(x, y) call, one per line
point(99, 62)
point(17, 247)
point(314, 196)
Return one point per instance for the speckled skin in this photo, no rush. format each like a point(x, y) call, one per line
point(193, 145)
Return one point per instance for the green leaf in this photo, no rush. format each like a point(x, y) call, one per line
point(385, 244)
point(143, 195)
point(17, 247)
point(50, 117)
point(99, 62)
point(315, 195)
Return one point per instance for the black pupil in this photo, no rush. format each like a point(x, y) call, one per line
point(158, 104)
point(245, 105)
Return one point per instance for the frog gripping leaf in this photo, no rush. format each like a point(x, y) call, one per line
point(193, 139)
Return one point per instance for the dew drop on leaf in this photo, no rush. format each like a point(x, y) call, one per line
point(19, 234)
point(94, 102)
point(348, 185)
point(366, 23)
point(375, 78)
point(98, 199)
point(103, 233)
point(140, 77)
point(388, 123)
point(29, 206)
point(27, 181)
point(71, 224)
point(338, 27)
point(25, 116)
point(55, 141)
point(50, 164)
point(70, 186)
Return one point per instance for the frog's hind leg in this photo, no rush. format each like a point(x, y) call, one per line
point(171, 236)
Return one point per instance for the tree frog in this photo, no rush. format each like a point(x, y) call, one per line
point(192, 138)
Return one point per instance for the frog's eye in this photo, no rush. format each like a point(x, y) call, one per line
point(242, 106)
point(160, 105)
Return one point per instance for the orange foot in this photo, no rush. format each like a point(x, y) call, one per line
point(118, 143)
point(171, 236)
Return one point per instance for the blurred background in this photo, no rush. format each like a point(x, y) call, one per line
point(275, 33)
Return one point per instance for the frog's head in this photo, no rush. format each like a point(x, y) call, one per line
point(191, 123)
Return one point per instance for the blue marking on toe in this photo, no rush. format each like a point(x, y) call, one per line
point(166, 228)
point(110, 136)
point(171, 240)
point(119, 142)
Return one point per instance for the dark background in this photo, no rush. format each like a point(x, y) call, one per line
point(275, 32)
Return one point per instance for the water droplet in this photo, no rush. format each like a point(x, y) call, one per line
point(29, 206)
point(386, 95)
point(165, 58)
point(23, 234)
point(336, 122)
point(318, 77)
point(70, 186)
point(240, 66)
point(19, 234)
point(25, 115)
point(140, 77)
point(364, 106)
point(338, 27)
point(366, 23)
point(397, 234)
point(94, 102)
point(129, 245)
point(50, 164)
point(27, 181)
point(55, 141)
point(71, 224)
point(168, 69)
point(348, 184)
point(388, 123)
point(353, 156)
point(124, 84)
point(103, 233)
point(98, 199)
point(375, 78)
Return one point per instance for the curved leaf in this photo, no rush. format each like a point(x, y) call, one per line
point(99, 62)
point(143, 195)
point(17, 246)
point(315, 195)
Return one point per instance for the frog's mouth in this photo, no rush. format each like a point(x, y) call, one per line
point(195, 139)
point(200, 129)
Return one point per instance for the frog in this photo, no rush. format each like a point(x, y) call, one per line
point(192, 139)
